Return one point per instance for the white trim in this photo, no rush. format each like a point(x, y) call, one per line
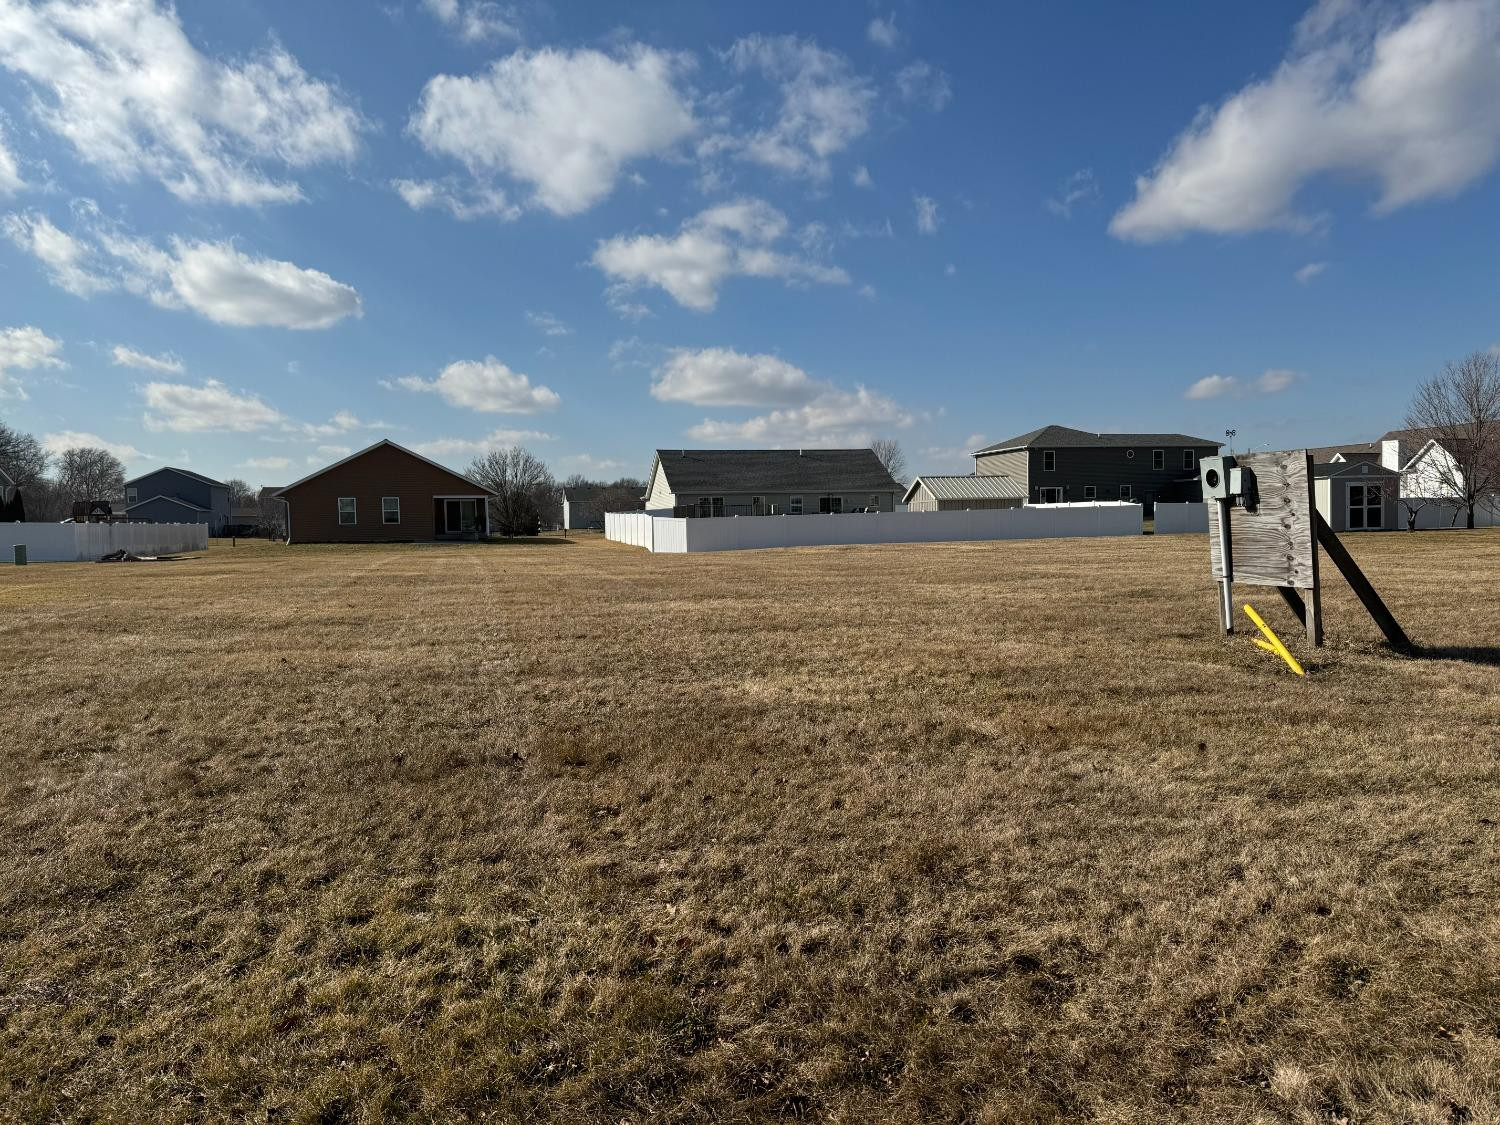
point(795, 502)
point(370, 448)
point(1127, 492)
point(462, 495)
point(384, 512)
point(1189, 459)
point(1090, 492)
point(168, 499)
point(1158, 460)
point(1052, 453)
point(339, 510)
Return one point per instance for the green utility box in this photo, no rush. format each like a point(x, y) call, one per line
point(20, 550)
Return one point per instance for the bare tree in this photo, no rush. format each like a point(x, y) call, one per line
point(22, 457)
point(892, 456)
point(523, 488)
point(241, 495)
point(272, 515)
point(87, 473)
point(1459, 408)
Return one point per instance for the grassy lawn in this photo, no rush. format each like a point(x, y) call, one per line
point(563, 831)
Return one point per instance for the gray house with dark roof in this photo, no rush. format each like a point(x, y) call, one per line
point(1057, 464)
point(169, 495)
point(763, 482)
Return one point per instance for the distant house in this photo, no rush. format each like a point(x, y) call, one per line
point(385, 493)
point(1057, 464)
point(169, 495)
point(583, 506)
point(932, 493)
point(760, 482)
point(1342, 454)
point(1357, 495)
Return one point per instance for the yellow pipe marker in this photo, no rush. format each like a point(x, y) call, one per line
point(1272, 643)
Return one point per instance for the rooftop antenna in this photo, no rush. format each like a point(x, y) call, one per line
point(1230, 435)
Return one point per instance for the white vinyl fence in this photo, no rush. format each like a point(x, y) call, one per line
point(1181, 519)
point(665, 534)
point(85, 542)
point(1436, 515)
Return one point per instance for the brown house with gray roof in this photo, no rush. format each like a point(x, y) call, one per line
point(1057, 464)
point(385, 493)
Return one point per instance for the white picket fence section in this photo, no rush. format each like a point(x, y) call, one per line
point(668, 535)
point(85, 542)
point(1181, 519)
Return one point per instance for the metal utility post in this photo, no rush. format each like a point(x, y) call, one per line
point(1226, 567)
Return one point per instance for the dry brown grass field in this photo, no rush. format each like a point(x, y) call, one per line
point(567, 832)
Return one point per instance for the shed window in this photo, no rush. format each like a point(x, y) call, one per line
point(795, 505)
point(1049, 460)
point(390, 509)
point(1090, 492)
point(1158, 459)
point(1126, 493)
point(347, 517)
point(1187, 458)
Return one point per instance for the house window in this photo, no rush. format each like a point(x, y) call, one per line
point(757, 505)
point(1049, 460)
point(874, 502)
point(830, 505)
point(390, 509)
point(1158, 459)
point(795, 506)
point(1090, 492)
point(1126, 493)
point(718, 505)
point(705, 507)
point(347, 517)
point(1187, 459)
point(130, 496)
point(1365, 508)
point(1049, 494)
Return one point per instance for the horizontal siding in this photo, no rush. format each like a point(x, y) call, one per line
point(384, 471)
point(1013, 465)
point(1107, 469)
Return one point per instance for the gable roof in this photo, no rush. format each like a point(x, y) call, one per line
point(169, 499)
point(773, 470)
point(970, 487)
point(180, 472)
point(1354, 468)
point(1357, 451)
point(281, 493)
point(1065, 437)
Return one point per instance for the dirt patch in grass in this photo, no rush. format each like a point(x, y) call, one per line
point(979, 832)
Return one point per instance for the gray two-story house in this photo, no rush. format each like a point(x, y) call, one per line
point(1057, 464)
point(169, 495)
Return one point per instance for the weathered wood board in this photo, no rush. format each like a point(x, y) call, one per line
point(1276, 544)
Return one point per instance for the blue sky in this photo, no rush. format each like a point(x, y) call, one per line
point(250, 237)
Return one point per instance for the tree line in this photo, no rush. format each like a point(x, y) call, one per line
point(528, 497)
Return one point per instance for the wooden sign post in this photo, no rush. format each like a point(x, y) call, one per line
point(1267, 532)
point(1266, 535)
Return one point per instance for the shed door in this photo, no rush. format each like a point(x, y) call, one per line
point(1366, 507)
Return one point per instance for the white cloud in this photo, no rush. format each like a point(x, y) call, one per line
point(10, 172)
point(721, 377)
point(341, 423)
point(923, 84)
point(589, 465)
point(1310, 271)
point(477, 201)
point(486, 385)
point(548, 324)
point(846, 418)
point(458, 448)
point(266, 463)
point(334, 452)
point(862, 177)
point(824, 107)
point(64, 440)
point(1232, 386)
point(475, 21)
point(564, 122)
point(1407, 102)
point(1079, 188)
point(214, 279)
point(927, 213)
point(867, 291)
point(882, 31)
point(26, 348)
point(164, 364)
point(731, 240)
point(209, 408)
point(120, 82)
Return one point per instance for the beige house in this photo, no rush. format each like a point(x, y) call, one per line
point(963, 493)
point(768, 482)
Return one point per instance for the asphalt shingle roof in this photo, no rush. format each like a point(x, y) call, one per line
point(775, 470)
point(1065, 437)
point(184, 472)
